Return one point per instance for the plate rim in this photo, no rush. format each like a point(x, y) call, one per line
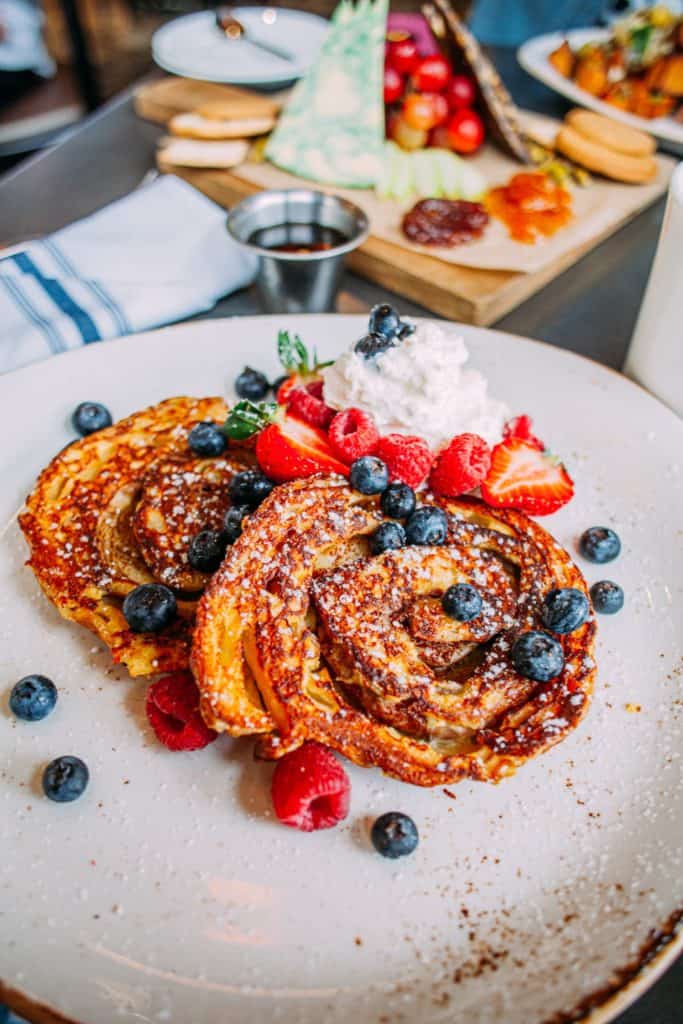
point(527, 56)
point(649, 967)
point(276, 79)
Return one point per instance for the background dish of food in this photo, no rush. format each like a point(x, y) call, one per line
point(194, 46)
point(533, 56)
point(197, 906)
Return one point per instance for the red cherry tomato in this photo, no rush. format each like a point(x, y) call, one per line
point(432, 74)
point(439, 137)
point(460, 92)
point(439, 105)
point(465, 131)
point(404, 134)
point(418, 111)
point(393, 85)
point(401, 52)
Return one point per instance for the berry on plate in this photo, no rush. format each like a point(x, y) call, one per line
point(538, 656)
point(252, 384)
point(407, 458)
point(607, 597)
point(249, 488)
point(306, 402)
point(289, 449)
point(373, 344)
point(521, 426)
point(564, 609)
point(149, 608)
point(207, 439)
point(172, 708)
point(207, 550)
point(394, 835)
point(387, 537)
point(352, 434)
point(385, 320)
point(523, 477)
point(462, 602)
point(65, 779)
point(232, 524)
point(310, 789)
point(369, 475)
point(89, 417)
point(33, 698)
point(599, 544)
point(461, 466)
point(427, 525)
point(398, 501)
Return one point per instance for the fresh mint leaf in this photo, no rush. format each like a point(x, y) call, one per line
point(293, 353)
point(247, 418)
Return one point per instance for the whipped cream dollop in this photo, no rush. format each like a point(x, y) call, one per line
point(418, 387)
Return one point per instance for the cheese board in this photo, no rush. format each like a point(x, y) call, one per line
point(472, 294)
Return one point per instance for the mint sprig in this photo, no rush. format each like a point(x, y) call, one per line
point(247, 418)
point(295, 357)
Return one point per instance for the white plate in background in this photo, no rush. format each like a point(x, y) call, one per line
point(533, 57)
point(194, 47)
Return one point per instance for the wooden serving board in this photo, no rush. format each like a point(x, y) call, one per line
point(459, 293)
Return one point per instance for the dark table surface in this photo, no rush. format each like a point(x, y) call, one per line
point(590, 309)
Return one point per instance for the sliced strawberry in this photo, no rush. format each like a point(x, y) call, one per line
point(307, 404)
point(289, 449)
point(523, 477)
point(301, 367)
point(520, 427)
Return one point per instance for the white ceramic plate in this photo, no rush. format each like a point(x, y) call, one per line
point(533, 56)
point(192, 46)
point(169, 893)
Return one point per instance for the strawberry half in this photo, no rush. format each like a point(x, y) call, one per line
point(289, 449)
point(301, 368)
point(523, 477)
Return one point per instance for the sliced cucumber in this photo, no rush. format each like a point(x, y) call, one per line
point(390, 155)
point(473, 183)
point(403, 185)
point(427, 177)
point(449, 169)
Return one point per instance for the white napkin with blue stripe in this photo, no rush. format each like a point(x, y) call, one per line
point(158, 255)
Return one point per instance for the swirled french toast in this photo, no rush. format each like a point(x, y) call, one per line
point(303, 634)
point(118, 509)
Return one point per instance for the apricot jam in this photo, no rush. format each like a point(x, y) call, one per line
point(531, 206)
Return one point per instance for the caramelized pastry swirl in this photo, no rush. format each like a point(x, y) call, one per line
point(303, 635)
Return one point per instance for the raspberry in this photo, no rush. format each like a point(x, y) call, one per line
point(172, 708)
point(308, 406)
point(461, 466)
point(407, 458)
point(310, 789)
point(352, 434)
point(520, 427)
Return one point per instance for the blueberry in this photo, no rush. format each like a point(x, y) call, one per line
point(384, 320)
point(564, 609)
point(373, 345)
point(65, 779)
point(427, 525)
point(252, 384)
point(537, 656)
point(599, 544)
point(607, 597)
point(207, 439)
point(406, 330)
point(33, 698)
point(207, 550)
point(149, 608)
point(462, 602)
point(250, 488)
point(398, 501)
point(387, 537)
point(232, 524)
point(394, 835)
point(89, 417)
point(369, 475)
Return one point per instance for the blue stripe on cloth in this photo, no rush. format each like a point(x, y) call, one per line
point(53, 339)
point(105, 298)
point(60, 297)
